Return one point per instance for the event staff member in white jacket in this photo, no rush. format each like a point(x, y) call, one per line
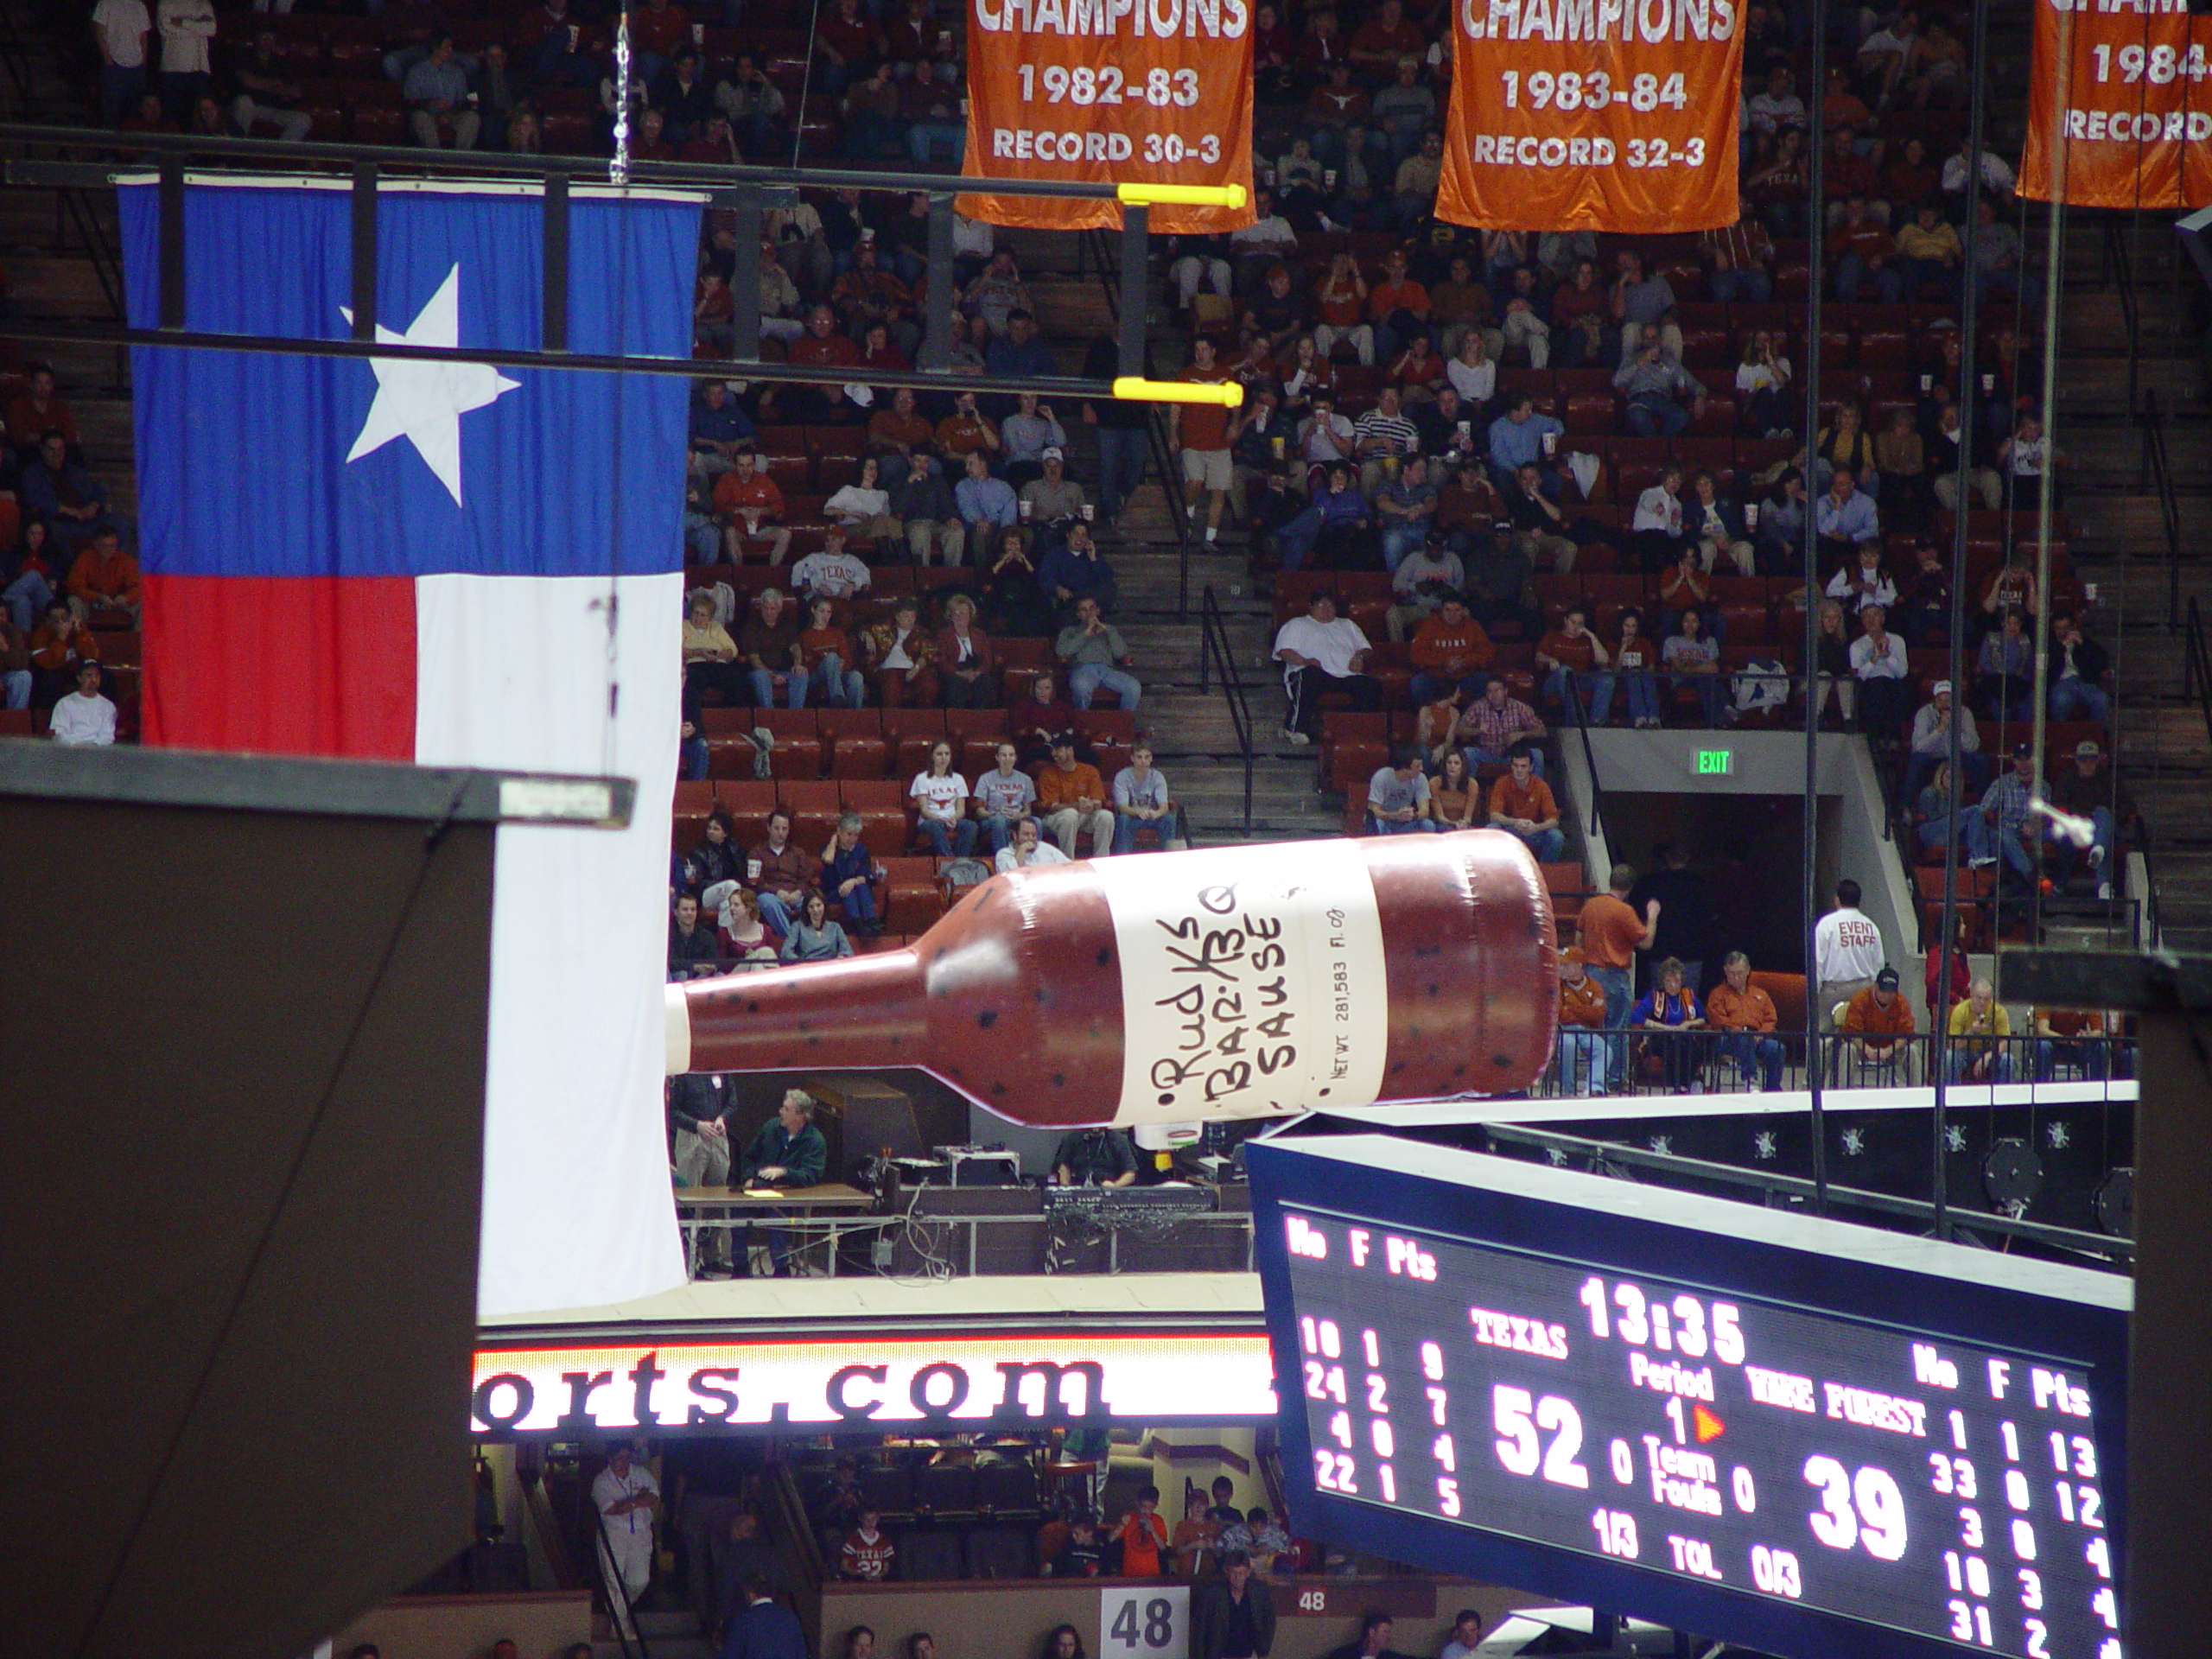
point(626, 1495)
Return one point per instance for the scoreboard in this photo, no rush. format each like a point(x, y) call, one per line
point(1808, 1436)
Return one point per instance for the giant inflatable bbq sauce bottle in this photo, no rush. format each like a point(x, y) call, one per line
point(1236, 982)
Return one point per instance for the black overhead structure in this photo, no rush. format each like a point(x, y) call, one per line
point(2167, 1594)
point(87, 159)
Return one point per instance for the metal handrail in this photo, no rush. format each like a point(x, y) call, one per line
point(2120, 276)
point(2156, 475)
point(1094, 247)
point(2197, 664)
point(1912, 1211)
point(618, 1597)
point(1574, 713)
point(1214, 650)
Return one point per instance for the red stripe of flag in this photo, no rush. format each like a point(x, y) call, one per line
point(281, 664)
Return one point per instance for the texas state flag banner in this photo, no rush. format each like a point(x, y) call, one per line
point(454, 565)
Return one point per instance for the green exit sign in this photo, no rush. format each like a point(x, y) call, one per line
point(1715, 763)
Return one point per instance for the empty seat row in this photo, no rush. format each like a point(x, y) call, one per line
point(860, 743)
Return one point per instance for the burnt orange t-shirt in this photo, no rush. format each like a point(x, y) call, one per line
point(734, 490)
point(1864, 1014)
point(1205, 426)
point(1610, 931)
point(1436, 642)
point(1575, 651)
point(1582, 1005)
point(1535, 802)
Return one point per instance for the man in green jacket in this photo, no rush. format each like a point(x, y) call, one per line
point(787, 1151)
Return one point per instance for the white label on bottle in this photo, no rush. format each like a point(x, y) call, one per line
point(1252, 981)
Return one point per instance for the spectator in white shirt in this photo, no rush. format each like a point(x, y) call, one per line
point(1003, 797)
point(832, 573)
point(1877, 660)
point(1268, 239)
point(1778, 106)
point(120, 29)
point(1322, 651)
point(186, 26)
point(84, 719)
point(1028, 849)
point(1995, 175)
point(1466, 1634)
point(1140, 797)
point(1863, 583)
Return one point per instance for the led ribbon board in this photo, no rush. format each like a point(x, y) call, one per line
point(1807, 1436)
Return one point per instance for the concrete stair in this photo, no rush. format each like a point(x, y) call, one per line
point(2118, 538)
point(667, 1634)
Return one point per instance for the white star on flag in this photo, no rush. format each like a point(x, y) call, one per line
point(423, 402)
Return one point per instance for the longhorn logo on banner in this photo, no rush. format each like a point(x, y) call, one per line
point(1109, 92)
point(2126, 83)
point(1597, 115)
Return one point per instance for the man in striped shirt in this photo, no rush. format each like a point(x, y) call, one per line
point(1381, 434)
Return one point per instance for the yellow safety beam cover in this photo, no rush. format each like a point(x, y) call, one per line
point(1181, 195)
point(1130, 389)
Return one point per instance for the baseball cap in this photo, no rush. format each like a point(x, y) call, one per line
point(2022, 751)
point(1887, 979)
point(1942, 686)
point(2087, 747)
point(1053, 452)
point(1063, 740)
point(1572, 953)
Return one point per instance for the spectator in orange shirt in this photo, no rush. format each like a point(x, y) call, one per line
point(821, 346)
point(1581, 1021)
point(1572, 655)
point(40, 408)
point(826, 653)
point(1379, 43)
point(1744, 1014)
point(1873, 1022)
point(104, 575)
point(15, 665)
point(1205, 432)
point(1142, 1535)
point(1521, 804)
point(960, 434)
point(657, 28)
point(60, 643)
point(750, 504)
point(1397, 306)
point(1611, 935)
point(1449, 651)
point(1071, 799)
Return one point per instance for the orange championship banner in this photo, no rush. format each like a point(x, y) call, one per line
point(1109, 92)
point(1593, 115)
point(2129, 84)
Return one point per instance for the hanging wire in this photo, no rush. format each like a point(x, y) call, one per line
point(618, 169)
point(1816, 223)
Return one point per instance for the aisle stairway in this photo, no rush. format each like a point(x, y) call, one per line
point(2118, 536)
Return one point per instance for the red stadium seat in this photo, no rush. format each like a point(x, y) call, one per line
point(881, 802)
point(797, 751)
point(854, 739)
point(814, 804)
